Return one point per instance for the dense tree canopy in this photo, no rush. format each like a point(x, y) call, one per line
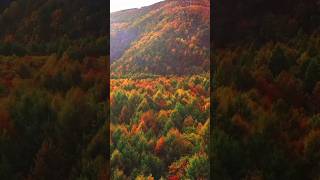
point(157, 127)
point(53, 115)
point(53, 26)
point(266, 110)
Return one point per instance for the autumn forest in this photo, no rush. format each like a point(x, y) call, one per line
point(160, 91)
point(176, 90)
point(265, 88)
point(53, 100)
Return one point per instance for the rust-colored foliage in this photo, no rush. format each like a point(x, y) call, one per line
point(173, 178)
point(151, 128)
point(160, 145)
point(177, 169)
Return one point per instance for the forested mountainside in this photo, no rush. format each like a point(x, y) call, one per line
point(160, 91)
point(266, 106)
point(266, 111)
point(159, 128)
point(52, 26)
point(53, 89)
point(262, 20)
point(53, 116)
point(170, 37)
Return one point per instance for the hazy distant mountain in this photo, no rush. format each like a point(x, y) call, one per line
point(169, 37)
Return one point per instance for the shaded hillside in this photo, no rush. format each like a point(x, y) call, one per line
point(43, 135)
point(170, 37)
point(261, 21)
point(49, 26)
point(53, 99)
point(265, 98)
point(266, 111)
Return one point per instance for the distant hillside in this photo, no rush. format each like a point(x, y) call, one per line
point(47, 26)
point(261, 20)
point(169, 37)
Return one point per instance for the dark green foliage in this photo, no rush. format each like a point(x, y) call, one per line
point(199, 167)
point(228, 157)
point(266, 111)
point(278, 61)
point(152, 165)
point(158, 129)
point(312, 74)
point(38, 28)
point(262, 21)
point(59, 131)
point(75, 53)
point(12, 49)
point(53, 98)
point(178, 115)
point(2, 89)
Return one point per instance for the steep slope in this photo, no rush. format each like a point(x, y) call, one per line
point(170, 37)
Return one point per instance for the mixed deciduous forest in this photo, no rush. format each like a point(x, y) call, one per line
point(160, 127)
point(267, 110)
point(42, 27)
point(160, 91)
point(265, 91)
point(53, 84)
